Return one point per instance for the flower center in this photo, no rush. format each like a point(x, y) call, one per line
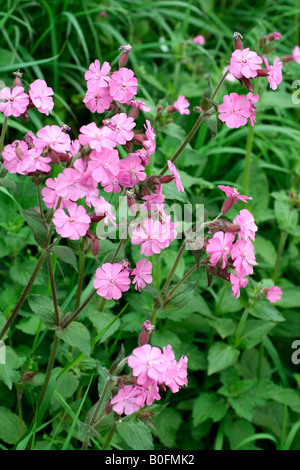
point(244, 61)
point(112, 281)
point(244, 255)
point(118, 128)
point(11, 98)
point(149, 363)
point(97, 75)
point(124, 85)
point(53, 141)
point(132, 171)
point(235, 110)
point(71, 220)
point(226, 248)
point(105, 164)
point(99, 135)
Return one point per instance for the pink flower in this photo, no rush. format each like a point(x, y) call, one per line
point(252, 99)
point(234, 110)
point(104, 165)
point(238, 282)
point(242, 252)
point(33, 161)
point(41, 96)
point(127, 48)
point(97, 75)
point(112, 185)
point(97, 98)
point(176, 175)
point(123, 85)
point(147, 326)
point(153, 236)
point(53, 136)
point(122, 125)
point(247, 226)
point(233, 193)
point(142, 273)
point(13, 102)
point(149, 143)
point(296, 54)
point(139, 104)
point(131, 171)
point(175, 372)
point(68, 185)
point(73, 226)
point(229, 77)
point(96, 138)
point(50, 197)
point(13, 156)
point(111, 280)
point(244, 63)
point(150, 389)
point(199, 40)
point(274, 294)
point(275, 72)
point(220, 247)
point(181, 105)
point(154, 202)
point(147, 362)
point(103, 208)
point(128, 400)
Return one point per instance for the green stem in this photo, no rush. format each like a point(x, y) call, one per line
point(248, 159)
point(241, 326)
point(188, 274)
point(64, 324)
point(109, 436)
point(38, 188)
point(282, 242)
point(24, 295)
point(193, 130)
point(80, 277)
point(53, 289)
point(96, 411)
point(49, 370)
point(174, 267)
point(3, 134)
point(260, 360)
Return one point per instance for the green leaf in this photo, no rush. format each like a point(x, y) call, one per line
point(101, 320)
point(221, 356)
point(136, 435)
point(205, 103)
point(43, 307)
point(167, 424)
point(212, 123)
point(237, 432)
point(8, 374)
point(266, 311)
point(10, 431)
point(208, 406)
point(65, 254)
point(181, 297)
point(37, 226)
point(77, 335)
point(224, 326)
point(254, 331)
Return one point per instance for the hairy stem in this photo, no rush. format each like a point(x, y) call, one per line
point(241, 326)
point(3, 135)
point(24, 295)
point(38, 189)
point(282, 242)
point(248, 159)
point(80, 277)
point(110, 436)
point(193, 130)
point(53, 289)
point(64, 324)
point(49, 370)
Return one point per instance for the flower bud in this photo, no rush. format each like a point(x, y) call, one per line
point(139, 138)
point(133, 112)
point(108, 408)
point(237, 37)
point(262, 73)
point(95, 246)
point(247, 83)
point(96, 218)
point(227, 204)
point(171, 109)
point(17, 81)
point(234, 228)
point(54, 156)
point(143, 338)
point(123, 59)
point(166, 179)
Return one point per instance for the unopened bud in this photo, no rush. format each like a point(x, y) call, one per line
point(143, 338)
point(228, 204)
point(166, 179)
point(17, 81)
point(96, 218)
point(262, 73)
point(237, 37)
point(123, 59)
point(171, 109)
point(64, 157)
point(159, 108)
point(28, 376)
point(132, 204)
point(128, 146)
point(95, 246)
point(234, 228)
point(19, 152)
point(54, 156)
point(198, 109)
point(247, 83)
point(139, 138)
point(133, 112)
point(146, 192)
point(108, 408)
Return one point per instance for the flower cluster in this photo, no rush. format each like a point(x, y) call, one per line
point(154, 369)
point(228, 252)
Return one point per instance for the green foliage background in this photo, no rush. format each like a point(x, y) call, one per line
point(243, 388)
